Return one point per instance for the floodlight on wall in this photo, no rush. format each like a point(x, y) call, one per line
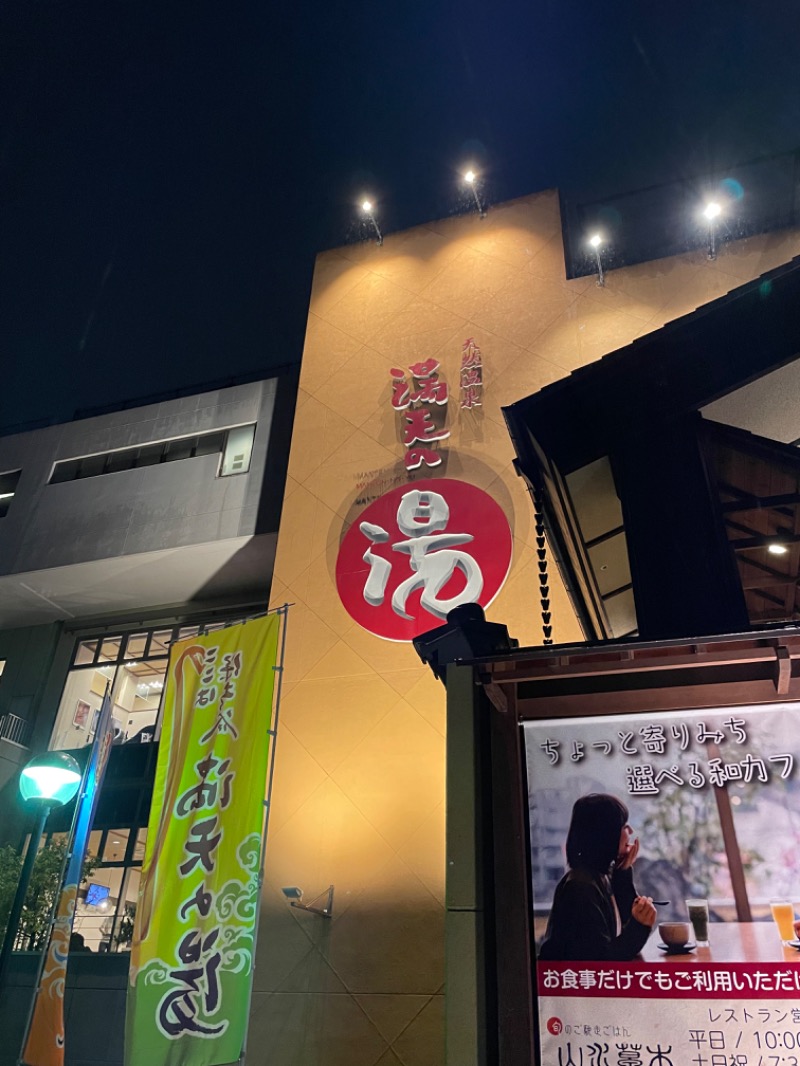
point(295, 897)
point(471, 179)
point(711, 213)
point(369, 213)
point(596, 241)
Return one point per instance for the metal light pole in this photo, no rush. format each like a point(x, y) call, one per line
point(48, 781)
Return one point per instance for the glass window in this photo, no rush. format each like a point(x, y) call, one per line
point(91, 466)
point(139, 846)
point(160, 642)
point(238, 450)
point(135, 648)
point(149, 455)
point(179, 449)
point(66, 471)
point(110, 649)
point(85, 653)
point(210, 444)
point(116, 845)
point(136, 689)
point(8, 487)
point(122, 460)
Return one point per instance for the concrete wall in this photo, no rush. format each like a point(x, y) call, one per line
point(359, 796)
point(132, 511)
point(94, 1008)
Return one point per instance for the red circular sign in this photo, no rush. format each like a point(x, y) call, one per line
point(419, 551)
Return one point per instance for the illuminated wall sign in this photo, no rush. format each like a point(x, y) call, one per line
point(418, 401)
point(419, 551)
point(471, 375)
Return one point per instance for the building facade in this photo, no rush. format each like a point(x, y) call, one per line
point(121, 533)
point(402, 499)
point(360, 775)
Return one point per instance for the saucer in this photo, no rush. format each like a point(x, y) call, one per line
point(793, 944)
point(681, 949)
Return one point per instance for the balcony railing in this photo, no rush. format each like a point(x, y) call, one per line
point(14, 729)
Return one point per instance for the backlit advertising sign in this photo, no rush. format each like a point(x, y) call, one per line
point(665, 886)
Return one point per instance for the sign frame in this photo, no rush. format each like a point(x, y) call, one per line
point(582, 682)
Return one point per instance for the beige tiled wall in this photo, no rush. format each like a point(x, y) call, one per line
point(359, 787)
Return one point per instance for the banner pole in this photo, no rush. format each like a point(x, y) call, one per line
point(272, 733)
point(71, 845)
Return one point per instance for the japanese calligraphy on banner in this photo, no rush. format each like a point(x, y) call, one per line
point(665, 864)
point(418, 552)
point(193, 946)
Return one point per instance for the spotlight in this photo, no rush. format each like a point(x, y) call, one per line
point(471, 178)
point(711, 212)
point(595, 241)
point(367, 208)
point(777, 549)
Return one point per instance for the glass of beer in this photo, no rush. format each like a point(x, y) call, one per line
point(698, 916)
point(783, 915)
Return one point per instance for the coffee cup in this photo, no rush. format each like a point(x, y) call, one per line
point(675, 934)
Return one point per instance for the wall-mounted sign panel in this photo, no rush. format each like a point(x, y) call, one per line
point(419, 551)
point(645, 869)
point(665, 864)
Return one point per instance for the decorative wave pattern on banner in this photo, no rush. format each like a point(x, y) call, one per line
point(192, 957)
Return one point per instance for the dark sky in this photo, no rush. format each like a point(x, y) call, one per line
point(168, 172)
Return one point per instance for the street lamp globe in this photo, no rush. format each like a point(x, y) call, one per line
point(51, 779)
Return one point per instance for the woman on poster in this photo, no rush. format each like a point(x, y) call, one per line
point(597, 914)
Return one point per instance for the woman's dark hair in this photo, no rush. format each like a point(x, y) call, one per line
point(593, 837)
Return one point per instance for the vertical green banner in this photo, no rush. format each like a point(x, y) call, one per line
point(193, 946)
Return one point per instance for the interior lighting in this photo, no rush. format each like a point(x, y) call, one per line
point(368, 208)
point(471, 178)
point(777, 549)
point(596, 241)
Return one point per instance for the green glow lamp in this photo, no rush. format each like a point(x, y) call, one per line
point(51, 779)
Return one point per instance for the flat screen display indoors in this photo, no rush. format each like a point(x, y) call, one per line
point(646, 854)
point(96, 894)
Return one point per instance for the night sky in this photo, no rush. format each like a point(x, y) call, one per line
point(168, 172)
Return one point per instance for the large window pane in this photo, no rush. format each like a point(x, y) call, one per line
point(116, 845)
point(79, 707)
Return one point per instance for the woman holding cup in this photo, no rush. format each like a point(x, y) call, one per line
point(597, 914)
